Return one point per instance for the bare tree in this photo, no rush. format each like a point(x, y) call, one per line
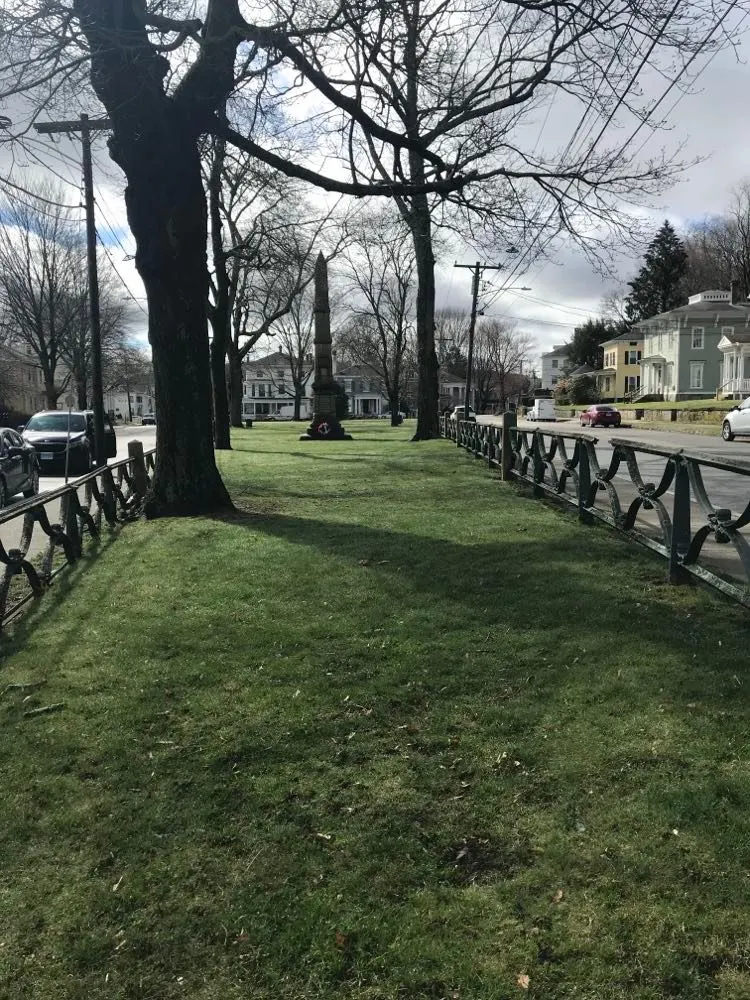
point(451, 333)
point(42, 275)
point(295, 333)
point(465, 85)
point(501, 352)
point(127, 368)
point(381, 276)
point(429, 89)
point(718, 248)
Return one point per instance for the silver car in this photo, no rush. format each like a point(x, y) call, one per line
point(737, 421)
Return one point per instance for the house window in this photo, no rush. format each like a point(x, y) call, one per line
point(279, 373)
point(554, 381)
point(697, 343)
point(555, 362)
point(261, 390)
point(632, 357)
point(252, 390)
point(259, 374)
point(282, 389)
point(727, 331)
point(696, 374)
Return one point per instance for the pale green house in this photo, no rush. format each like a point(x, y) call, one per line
point(681, 357)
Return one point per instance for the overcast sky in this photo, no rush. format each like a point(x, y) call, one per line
point(710, 122)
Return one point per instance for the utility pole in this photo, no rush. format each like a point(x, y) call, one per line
point(86, 126)
point(477, 269)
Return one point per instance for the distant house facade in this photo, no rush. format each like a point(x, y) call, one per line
point(681, 355)
point(268, 389)
point(365, 390)
point(21, 382)
point(553, 364)
point(452, 389)
point(122, 404)
point(620, 376)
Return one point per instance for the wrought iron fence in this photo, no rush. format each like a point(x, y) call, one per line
point(658, 497)
point(41, 537)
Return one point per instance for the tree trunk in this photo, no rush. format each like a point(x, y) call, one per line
point(235, 385)
point(81, 393)
point(167, 213)
point(297, 405)
point(428, 425)
point(220, 312)
point(50, 392)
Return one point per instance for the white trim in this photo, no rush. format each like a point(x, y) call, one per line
point(694, 330)
point(697, 368)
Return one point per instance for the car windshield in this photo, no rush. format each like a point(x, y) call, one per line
point(57, 422)
point(601, 409)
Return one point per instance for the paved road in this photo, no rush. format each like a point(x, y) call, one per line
point(10, 533)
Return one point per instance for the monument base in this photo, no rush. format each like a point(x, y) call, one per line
point(325, 429)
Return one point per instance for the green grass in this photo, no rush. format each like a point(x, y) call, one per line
point(395, 731)
point(722, 405)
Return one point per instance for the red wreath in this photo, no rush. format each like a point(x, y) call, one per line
point(323, 428)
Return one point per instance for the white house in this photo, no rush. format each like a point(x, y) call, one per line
point(268, 389)
point(553, 363)
point(130, 404)
point(364, 387)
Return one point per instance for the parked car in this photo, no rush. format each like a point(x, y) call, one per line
point(148, 420)
point(459, 413)
point(737, 421)
point(602, 414)
point(543, 409)
point(52, 432)
point(19, 466)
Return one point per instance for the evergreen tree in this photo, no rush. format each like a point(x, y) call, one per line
point(585, 345)
point(659, 284)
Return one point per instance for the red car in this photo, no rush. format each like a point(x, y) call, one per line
point(606, 416)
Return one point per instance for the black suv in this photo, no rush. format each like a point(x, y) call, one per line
point(51, 432)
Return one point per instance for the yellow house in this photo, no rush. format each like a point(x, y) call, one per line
point(621, 374)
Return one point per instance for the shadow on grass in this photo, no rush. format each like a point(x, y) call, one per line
point(60, 590)
point(539, 584)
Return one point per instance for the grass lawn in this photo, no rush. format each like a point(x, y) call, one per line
point(395, 731)
point(685, 404)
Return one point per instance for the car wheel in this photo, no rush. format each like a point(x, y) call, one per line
point(726, 431)
point(33, 487)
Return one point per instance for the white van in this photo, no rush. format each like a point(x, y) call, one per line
point(543, 409)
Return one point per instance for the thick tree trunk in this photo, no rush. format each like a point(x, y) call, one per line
point(220, 397)
point(220, 312)
point(50, 392)
point(297, 406)
point(235, 386)
point(428, 425)
point(81, 394)
point(167, 214)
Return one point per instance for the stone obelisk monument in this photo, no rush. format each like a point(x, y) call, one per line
point(325, 424)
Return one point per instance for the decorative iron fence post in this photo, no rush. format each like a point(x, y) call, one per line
point(681, 535)
point(506, 446)
point(538, 465)
point(584, 483)
point(138, 468)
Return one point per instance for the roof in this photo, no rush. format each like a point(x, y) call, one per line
point(274, 360)
point(737, 338)
point(557, 349)
point(357, 371)
point(445, 375)
point(581, 370)
point(625, 338)
point(695, 308)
